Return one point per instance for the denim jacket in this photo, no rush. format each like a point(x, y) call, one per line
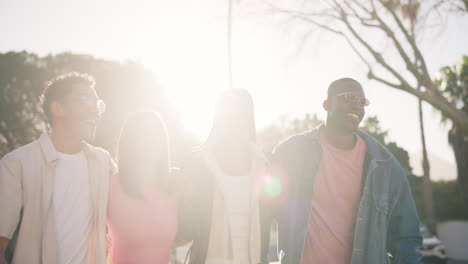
point(387, 221)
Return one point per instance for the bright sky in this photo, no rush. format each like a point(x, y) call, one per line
point(184, 43)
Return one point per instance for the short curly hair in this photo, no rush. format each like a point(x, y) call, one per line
point(60, 86)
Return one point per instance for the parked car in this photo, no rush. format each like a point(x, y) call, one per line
point(433, 250)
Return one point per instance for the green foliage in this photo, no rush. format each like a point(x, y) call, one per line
point(272, 135)
point(416, 183)
point(21, 82)
point(448, 203)
point(372, 126)
point(125, 87)
point(453, 82)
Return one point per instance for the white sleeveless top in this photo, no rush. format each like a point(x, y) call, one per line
point(236, 193)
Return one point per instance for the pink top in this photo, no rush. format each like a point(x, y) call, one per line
point(140, 231)
point(336, 197)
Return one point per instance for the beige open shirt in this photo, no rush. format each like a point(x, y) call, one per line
point(26, 182)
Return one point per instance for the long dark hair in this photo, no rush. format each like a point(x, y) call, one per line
point(234, 111)
point(144, 142)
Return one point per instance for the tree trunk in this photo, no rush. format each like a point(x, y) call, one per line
point(459, 142)
point(427, 187)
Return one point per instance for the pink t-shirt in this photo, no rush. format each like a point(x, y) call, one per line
point(336, 197)
point(140, 231)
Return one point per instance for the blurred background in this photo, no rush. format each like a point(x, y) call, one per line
point(176, 56)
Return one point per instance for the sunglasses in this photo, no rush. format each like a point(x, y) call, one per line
point(352, 98)
point(92, 102)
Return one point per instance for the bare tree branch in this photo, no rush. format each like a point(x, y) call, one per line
point(444, 107)
point(409, 64)
point(296, 13)
point(364, 21)
point(372, 76)
point(348, 13)
point(360, 5)
point(412, 42)
point(378, 56)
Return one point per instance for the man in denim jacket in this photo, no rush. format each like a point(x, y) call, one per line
point(344, 197)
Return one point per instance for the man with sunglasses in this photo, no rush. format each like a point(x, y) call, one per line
point(344, 198)
point(53, 191)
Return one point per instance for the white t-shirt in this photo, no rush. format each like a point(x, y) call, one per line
point(72, 205)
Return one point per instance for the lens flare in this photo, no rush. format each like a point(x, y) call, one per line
point(271, 186)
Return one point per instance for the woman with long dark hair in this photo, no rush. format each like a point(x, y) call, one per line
point(142, 209)
point(221, 214)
